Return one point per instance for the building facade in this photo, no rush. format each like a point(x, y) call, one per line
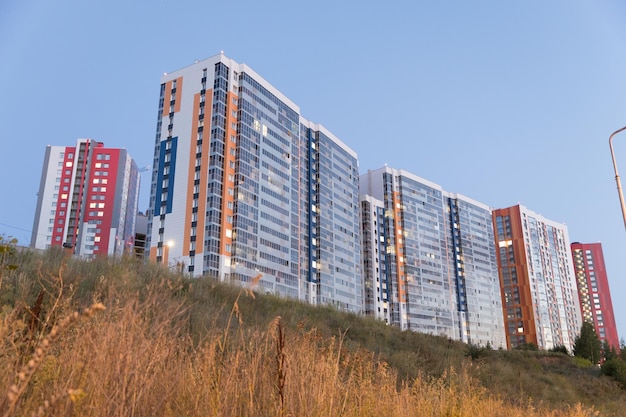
point(87, 200)
point(429, 259)
point(245, 189)
point(594, 292)
point(539, 293)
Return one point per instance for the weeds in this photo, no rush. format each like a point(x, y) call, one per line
point(170, 347)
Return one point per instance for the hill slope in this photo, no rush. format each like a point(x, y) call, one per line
point(166, 345)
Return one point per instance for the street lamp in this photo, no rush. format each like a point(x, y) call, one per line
point(619, 184)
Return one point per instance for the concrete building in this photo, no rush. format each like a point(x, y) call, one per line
point(429, 259)
point(246, 190)
point(594, 292)
point(87, 200)
point(539, 293)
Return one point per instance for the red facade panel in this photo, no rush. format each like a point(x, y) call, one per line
point(593, 290)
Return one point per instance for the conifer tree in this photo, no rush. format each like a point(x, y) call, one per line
point(587, 344)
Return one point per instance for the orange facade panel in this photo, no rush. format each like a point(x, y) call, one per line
point(153, 254)
point(399, 247)
point(204, 171)
point(512, 243)
point(179, 93)
point(166, 255)
point(191, 169)
point(202, 175)
point(167, 98)
point(228, 194)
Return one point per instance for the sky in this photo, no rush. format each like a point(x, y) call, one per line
point(503, 102)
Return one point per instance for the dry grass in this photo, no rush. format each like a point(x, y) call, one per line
point(139, 358)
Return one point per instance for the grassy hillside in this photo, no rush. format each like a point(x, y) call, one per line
point(157, 344)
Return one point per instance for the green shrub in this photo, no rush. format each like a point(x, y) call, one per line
point(616, 369)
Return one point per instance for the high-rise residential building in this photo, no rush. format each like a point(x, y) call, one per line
point(429, 259)
point(87, 200)
point(246, 190)
point(594, 292)
point(539, 293)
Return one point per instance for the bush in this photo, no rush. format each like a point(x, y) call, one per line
point(616, 369)
point(560, 349)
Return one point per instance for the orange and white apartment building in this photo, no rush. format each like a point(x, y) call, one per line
point(245, 189)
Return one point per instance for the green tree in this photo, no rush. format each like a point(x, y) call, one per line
point(609, 351)
point(587, 344)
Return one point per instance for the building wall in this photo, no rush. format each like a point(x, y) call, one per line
point(593, 290)
point(539, 295)
point(377, 287)
point(435, 259)
point(472, 257)
point(238, 188)
point(87, 199)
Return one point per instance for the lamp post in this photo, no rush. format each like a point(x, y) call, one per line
point(619, 183)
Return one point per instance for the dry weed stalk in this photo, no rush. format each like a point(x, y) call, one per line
point(25, 374)
point(281, 373)
point(235, 310)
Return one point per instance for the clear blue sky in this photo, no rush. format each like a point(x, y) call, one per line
point(504, 102)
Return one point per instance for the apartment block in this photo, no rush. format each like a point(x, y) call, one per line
point(593, 290)
point(429, 259)
point(87, 200)
point(245, 189)
point(539, 292)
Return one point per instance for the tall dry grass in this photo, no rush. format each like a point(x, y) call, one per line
point(139, 358)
